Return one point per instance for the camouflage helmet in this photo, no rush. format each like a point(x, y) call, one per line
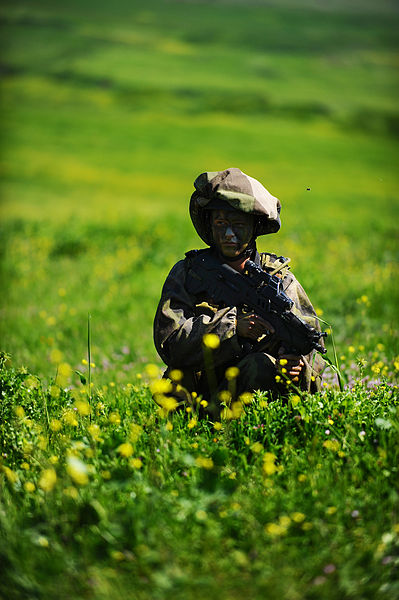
point(233, 189)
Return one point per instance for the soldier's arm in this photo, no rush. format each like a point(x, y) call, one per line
point(181, 323)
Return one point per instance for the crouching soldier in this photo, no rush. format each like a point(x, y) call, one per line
point(229, 211)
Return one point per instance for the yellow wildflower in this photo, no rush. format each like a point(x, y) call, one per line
point(117, 555)
point(176, 375)
point(95, 432)
point(29, 486)
point(135, 432)
point(192, 423)
point(295, 400)
point(275, 530)
point(125, 449)
point(169, 426)
point(114, 418)
point(48, 479)
point(152, 371)
point(168, 403)
point(257, 447)
point(55, 425)
point(136, 463)
point(269, 466)
point(218, 426)
point(54, 391)
point(161, 386)
point(83, 407)
point(56, 356)
point(53, 459)
point(25, 466)
point(226, 414)
point(10, 474)
point(19, 411)
point(204, 463)
point(69, 417)
point(352, 349)
point(333, 445)
point(246, 397)
point(77, 470)
point(225, 396)
point(72, 492)
point(232, 373)
point(297, 517)
point(331, 510)
point(237, 410)
point(283, 361)
point(204, 403)
point(211, 341)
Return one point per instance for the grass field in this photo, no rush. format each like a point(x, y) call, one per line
point(109, 114)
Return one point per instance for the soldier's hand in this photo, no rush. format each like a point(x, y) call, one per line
point(252, 326)
point(292, 364)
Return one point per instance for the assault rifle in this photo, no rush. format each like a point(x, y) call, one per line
point(256, 290)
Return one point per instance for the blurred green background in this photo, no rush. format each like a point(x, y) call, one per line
point(110, 111)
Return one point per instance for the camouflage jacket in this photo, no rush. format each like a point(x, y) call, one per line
point(182, 320)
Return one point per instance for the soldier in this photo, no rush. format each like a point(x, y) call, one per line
point(229, 210)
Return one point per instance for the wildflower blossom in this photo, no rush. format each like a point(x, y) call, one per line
point(125, 450)
point(29, 486)
point(269, 466)
point(217, 426)
point(77, 470)
point(232, 373)
point(176, 375)
point(192, 423)
point(257, 447)
point(48, 479)
point(169, 426)
point(95, 432)
point(55, 425)
point(136, 463)
point(211, 341)
point(204, 463)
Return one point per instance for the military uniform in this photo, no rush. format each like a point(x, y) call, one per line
point(182, 319)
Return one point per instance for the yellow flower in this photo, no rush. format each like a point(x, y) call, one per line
point(83, 407)
point(333, 445)
point(95, 432)
point(295, 400)
point(48, 479)
point(302, 477)
point(84, 361)
point(169, 426)
point(283, 361)
point(114, 418)
point(105, 474)
point(237, 410)
point(205, 463)
point(135, 432)
point(232, 373)
point(53, 459)
point(77, 470)
point(204, 403)
point(72, 492)
point(297, 517)
point(269, 466)
point(125, 449)
point(69, 417)
point(176, 375)
point(25, 466)
point(217, 426)
point(55, 425)
point(211, 340)
point(56, 356)
point(161, 386)
point(278, 378)
point(54, 391)
point(11, 476)
point(168, 403)
point(136, 463)
point(201, 515)
point(117, 555)
point(29, 486)
point(19, 411)
point(192, 423)
point(380, 347)
point(284, 521)
point(63, 374)
point(152, 371)
point(263, 404)
point(331, 510)
point(319, 312)
point(246, 397)
point(257, 447)
point(352, 349)
point(275, 530)
point(225, 396)
point(226, 414)
point(42, 541)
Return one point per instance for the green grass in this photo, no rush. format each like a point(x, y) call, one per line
point(110, 111)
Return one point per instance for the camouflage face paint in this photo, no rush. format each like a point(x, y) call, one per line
point(232, 231)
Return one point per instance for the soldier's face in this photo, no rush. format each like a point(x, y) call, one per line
point(232, 231)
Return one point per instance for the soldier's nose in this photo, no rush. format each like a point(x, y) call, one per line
point(229, 233)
